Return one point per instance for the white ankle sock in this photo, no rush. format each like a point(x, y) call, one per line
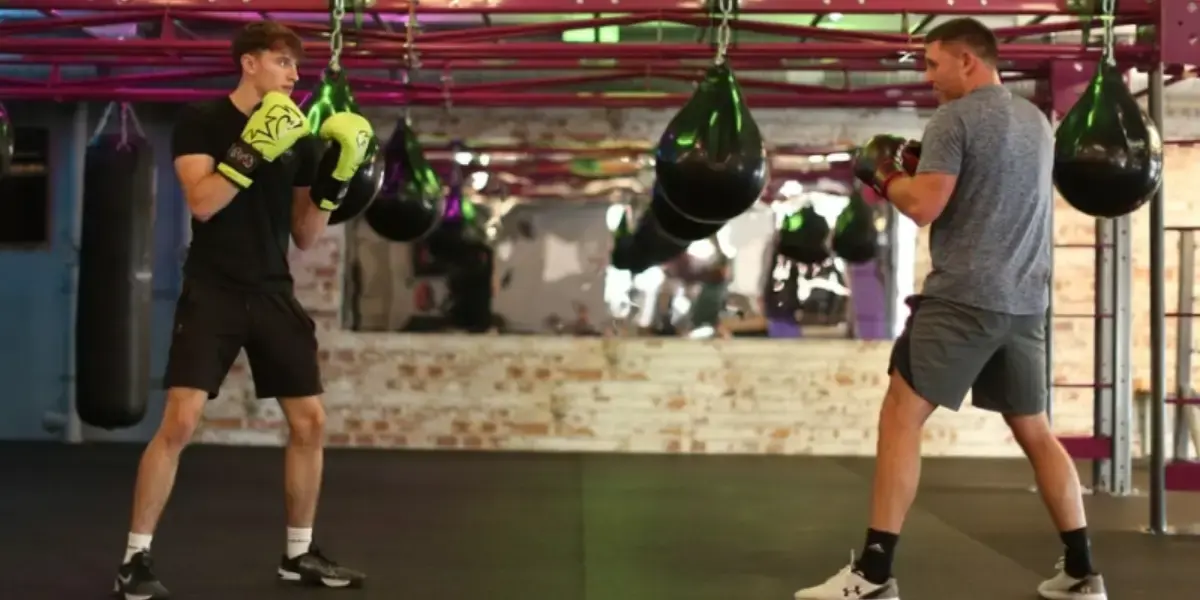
point(138, 542)
point(298, 541)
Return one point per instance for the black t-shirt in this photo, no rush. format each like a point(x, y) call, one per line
point(245, 245)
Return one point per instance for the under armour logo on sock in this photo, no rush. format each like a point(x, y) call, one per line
point(875, 548)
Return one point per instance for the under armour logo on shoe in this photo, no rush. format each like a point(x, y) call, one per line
point(856, 591)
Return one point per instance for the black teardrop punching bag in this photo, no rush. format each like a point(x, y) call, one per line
point(411, 204)
point(333, 96)
point(1108, 154)
point(648, 246)
point(112, 330)
point(855, 237)
point(711, 162)
point(6, 142)
point(804, 237)
point(673, 225)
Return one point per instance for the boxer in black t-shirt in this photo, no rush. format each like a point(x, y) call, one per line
point(247, 168)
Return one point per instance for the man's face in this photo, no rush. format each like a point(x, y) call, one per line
point(947, 69)
point(271, 71)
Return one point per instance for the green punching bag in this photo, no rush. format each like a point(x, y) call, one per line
point(711, 162)
point(855, 236)
point(1108, 154)
point(6, 142)
point(804, 237)
point(331, 97)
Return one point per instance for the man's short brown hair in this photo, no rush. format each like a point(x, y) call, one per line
point(970, 33)
point(261, 36)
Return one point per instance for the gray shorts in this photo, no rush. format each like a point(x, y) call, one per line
point(948, 349)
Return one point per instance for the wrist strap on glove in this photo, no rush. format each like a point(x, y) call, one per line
point(241, 161)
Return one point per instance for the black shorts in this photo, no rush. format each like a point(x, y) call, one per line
point(213, 324)
point(948, 349)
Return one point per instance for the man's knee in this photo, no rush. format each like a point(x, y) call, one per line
point(1031, 432)
point(306, 420)
point(185, 407)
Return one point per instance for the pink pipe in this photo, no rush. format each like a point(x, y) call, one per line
point(991, 7)
point(70, 93)
point(27, 26)
point(537, 50)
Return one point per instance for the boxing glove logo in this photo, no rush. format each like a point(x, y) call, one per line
point(280, 121)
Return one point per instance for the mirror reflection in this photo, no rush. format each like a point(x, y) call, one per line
point(542, 242)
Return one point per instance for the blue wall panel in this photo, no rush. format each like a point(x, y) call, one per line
point(35, 297)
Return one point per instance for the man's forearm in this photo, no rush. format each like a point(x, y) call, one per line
point(210, 195)
point(905, 195)
point(309, 225)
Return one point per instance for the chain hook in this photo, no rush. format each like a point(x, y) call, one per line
point(724, 32)
point(335, 36)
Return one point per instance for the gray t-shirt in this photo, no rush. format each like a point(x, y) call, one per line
point(990, 247)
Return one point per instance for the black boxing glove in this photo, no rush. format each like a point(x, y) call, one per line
point(880, 161)
point(910, 157)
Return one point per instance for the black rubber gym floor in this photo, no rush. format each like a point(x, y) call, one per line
point(459, 526)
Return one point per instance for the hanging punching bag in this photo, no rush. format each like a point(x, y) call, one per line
point(711, 162)
point(112, 330)
point(6, 142)
point(649, 247)
point(333, 96)
point(804, 237)
point(1108, 154)
point(672, 224)
point(411, 204)
point(855, 237)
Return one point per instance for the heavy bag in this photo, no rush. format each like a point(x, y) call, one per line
point(6, 142)
point(112, 330)
point(411, 204)
point(1108, 154)
point(333, 96)
point(711, 161)
point(648, 246)
point(855, 237)
point(460, 235)
point(621, 256)
point(676, 226)
point(804, 237)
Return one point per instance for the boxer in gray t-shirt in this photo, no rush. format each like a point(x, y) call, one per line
point(983, 185)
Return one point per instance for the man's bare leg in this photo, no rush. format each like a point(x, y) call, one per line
point(302, 469)
point(160, 460)
point(897, 475)
point(1058, 483)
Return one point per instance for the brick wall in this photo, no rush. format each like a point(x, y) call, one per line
point(747, 396)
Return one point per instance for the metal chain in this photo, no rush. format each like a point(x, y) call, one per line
point(724, 32)
point(1109, 10)
point(335, 37)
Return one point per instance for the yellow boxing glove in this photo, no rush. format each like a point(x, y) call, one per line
point(275, 126)
point(349, 136)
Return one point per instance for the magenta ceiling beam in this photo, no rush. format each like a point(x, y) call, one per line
point(943, 7)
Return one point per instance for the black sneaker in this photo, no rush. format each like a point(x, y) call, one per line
point(312, 568)
point(136, 580)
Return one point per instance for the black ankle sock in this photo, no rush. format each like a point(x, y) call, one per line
point(875, 564)
point(1078, 556)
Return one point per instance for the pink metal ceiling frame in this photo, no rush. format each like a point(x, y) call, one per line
point(182, 58)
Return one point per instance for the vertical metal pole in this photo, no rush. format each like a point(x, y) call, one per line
point(1050, 307)
point(890, 291)
point(73, 431)
point(1122, 367)
point(1183, 341)
point(1158, 340)
point(1104, 348)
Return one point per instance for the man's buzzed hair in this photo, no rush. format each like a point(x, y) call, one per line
point(970, 33)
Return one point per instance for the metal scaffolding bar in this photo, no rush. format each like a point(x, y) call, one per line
point(1158, 340)
point(1183, 342)
point(1121, 405)
point(991, 7)
point(1103, 349)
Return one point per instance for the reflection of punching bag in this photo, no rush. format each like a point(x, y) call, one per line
point(411, 204)
point(804, 237)
point(333, 96)
point(621, 256)
point(1108, 155)
point(711, 162)
point(855, 237)
point(112, 330)
point(6, 142)
point(781, 298)
point(674, 225)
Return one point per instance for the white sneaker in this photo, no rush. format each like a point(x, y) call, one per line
point(1065, 587)
point(849, 584)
